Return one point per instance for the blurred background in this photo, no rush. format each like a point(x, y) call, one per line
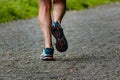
point(22, 9)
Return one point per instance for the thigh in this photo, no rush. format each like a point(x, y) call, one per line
point(44, 1)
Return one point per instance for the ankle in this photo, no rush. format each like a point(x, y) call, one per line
point(58, 22)
point(51, 47)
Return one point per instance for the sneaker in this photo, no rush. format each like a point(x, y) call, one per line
point(47, 54)
point(61, 42)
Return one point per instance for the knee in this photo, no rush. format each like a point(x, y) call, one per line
point(45, 5)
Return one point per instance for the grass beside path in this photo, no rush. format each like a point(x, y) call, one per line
point(81, 4)
point(21, 9)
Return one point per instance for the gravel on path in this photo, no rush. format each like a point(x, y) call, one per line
point(93, 54)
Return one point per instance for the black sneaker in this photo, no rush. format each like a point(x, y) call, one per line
point(61, 42)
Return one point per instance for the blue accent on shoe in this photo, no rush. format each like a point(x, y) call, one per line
point(47, 54)
point(55, 24)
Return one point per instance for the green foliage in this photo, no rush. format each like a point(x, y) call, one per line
point(22, 9)
point(17, 9)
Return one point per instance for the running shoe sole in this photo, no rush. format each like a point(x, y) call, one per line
point(61, 42)
point(48, 59)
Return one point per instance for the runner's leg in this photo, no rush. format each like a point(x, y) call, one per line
point(57, 31)
point(59, 10)
point(45, 21)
